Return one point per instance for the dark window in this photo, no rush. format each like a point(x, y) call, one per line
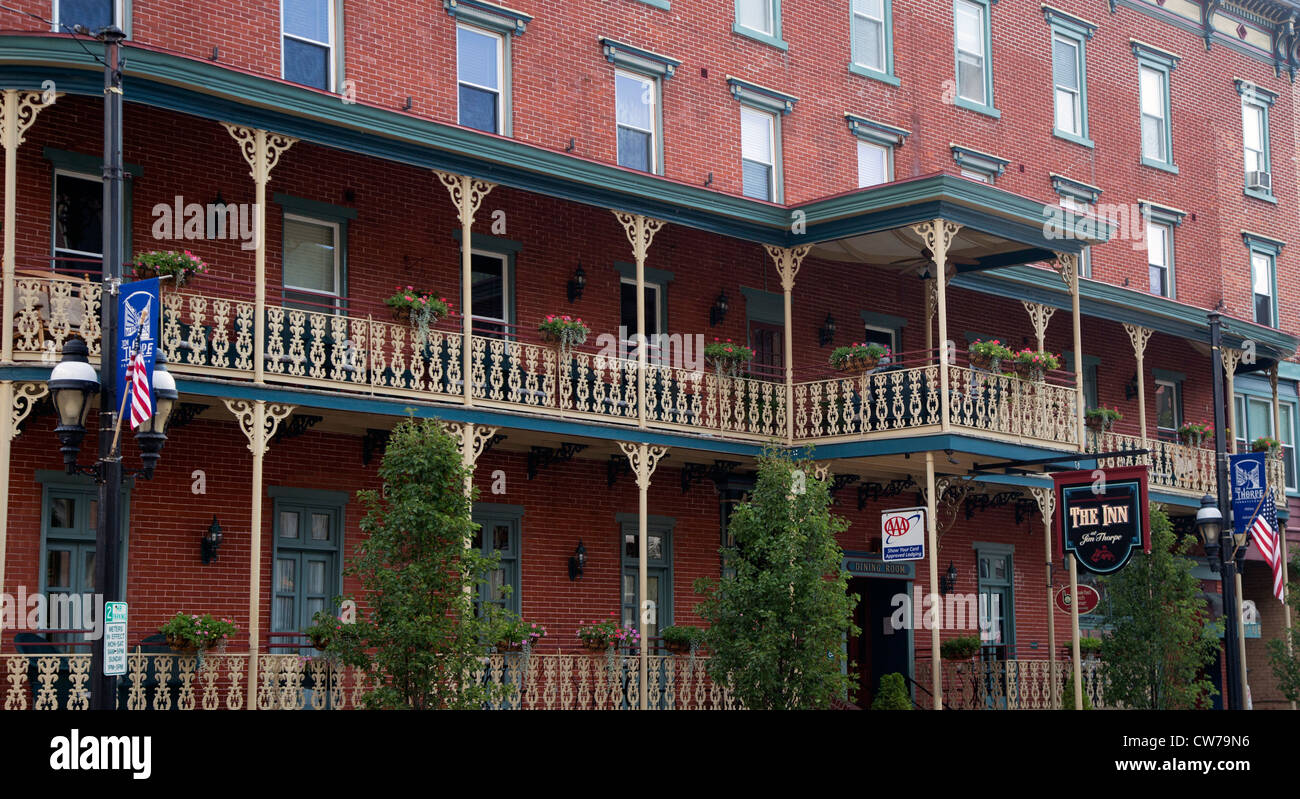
point(478, 67)
point(627, 312)
point(489, 291)
point(78, 223)
point(767, 341)
point(94, 14)
point(307, 42)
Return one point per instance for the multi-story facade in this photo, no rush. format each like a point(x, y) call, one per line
point(1089, 178)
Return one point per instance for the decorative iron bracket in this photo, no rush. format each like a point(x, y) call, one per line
point(543, 457)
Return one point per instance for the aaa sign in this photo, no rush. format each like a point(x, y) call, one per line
point(1102, 516)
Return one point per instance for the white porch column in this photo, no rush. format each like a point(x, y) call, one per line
point(16, 401)
point(17, 113)
point(1039, 316)
point(932, 545)
point(1046, 499)
point(1067, 264)
point(258, 422)
point(643, 458)
point(466, 193)
point(1139, 337)
point(937, 236)
point(788, 260)
point(262, 151)
point(640, 232)
point(1231, 358)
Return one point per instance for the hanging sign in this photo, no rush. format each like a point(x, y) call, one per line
point(138, 314)
point(1089, 599)
point(1249, 484)
point(902, 534)
point(1102, 516)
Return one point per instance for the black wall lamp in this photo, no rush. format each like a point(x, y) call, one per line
point(719, 310)
point(948, 582)
point(577, 561)
point(211, 542)
point(577, 283)
point(826, 334)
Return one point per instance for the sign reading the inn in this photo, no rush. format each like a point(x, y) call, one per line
point(1102, 515)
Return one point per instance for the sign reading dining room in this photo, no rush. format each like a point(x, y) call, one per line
point(1102, 518)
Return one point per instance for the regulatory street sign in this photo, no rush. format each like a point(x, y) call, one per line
point(902, 534)
point(114, 639)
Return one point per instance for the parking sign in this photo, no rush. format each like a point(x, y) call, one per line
point(114, 639)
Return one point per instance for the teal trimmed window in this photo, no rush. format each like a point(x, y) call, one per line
point(656, 304)
point(1160, 223)
point(996, 579)
point(1091, 397)
point(659, 568)
point(1256, 151)
point(69, 518)
point(638, 101)
point(1078, 197)
point(979, 166)
point(1069, 75)
point(760, 20)
point(871, 32)
point(1169, 402)
point(761, 110)
point(77, 211)
point(1254, 402)
point(973, 54)
point(492, 281)
point(876, 144)
point(1263, 276)
point(882, 328)
point(500, 531)
point(308, 570)
point(1154, 69)
point(310, 53)
point(94, 14)
point(314, 260)
point(483, 78)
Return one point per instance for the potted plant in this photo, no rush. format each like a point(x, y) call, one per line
point(1266, 444)
point(191, 633)
point(179, 266)
point(858, 358)
point(680, 639)
point(727, 356)
point(565, 331)
point(1101, 418)
point(988, 355)
point(1031, 364)
point(323, 630)
point(598, 636)
point(422, 309)
point(1193, 433)
point(516, 633)
point(1090, 648)
point(963, 648)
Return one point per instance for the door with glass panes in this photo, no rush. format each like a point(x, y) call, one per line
point(69, 556)
point(659, 582)
point(306, 578)
point(997, 626)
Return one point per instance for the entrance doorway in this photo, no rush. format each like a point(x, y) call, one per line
point(872, 652)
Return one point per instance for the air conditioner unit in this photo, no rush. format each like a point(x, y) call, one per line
point(1261, 181)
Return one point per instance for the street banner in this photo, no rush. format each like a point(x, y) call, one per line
point(138, 315)
point(1102, 516)
point(1249, 478)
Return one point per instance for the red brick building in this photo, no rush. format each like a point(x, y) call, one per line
point(1088, 177)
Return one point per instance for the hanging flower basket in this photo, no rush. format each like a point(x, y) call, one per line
point(1101, 419)
point(1193, 434)
point(595, 646)
point(563, 332)
point(182, 646)
point(179, 266)
point(728, 358)
point(1266, 444)
point(988, 356)
point(858, 358)
point(190, 634)
point(1033, 364)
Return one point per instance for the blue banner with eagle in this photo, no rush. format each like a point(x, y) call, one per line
point(138, 314)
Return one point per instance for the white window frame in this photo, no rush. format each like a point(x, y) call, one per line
point(1270, 265)
point(54, 217)
point(337, 294)
point(650, 86)
point(1165, 157)
point(506, 290)
point(1076, 91)
point(1246, 149)
point(771, 11)
point(982, 25)
point(889, 161)
point(119, 16)
point(654, 309)
point(500, 91)
point(1176, 391)
point(774, 188)
point(332, 80)
point(1167, 233)
point(860, 18)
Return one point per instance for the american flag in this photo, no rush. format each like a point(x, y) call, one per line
point(141, 404)
point(1264, 531)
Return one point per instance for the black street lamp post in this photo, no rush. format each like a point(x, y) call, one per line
point(1214, 521)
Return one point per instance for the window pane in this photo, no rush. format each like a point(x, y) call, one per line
point(970, 77)
point(1156, 252)
point(1065, 64)
point(873, 164)
point(496, 585)
point(285, 574)
point(88, 570)
point(1261, 274)
point(870, 8)
point(488, 286)
point(315, 577)
point(654, 547)
point(309, 256)
point(58, 570)
point(94, 14)
point(308, 19)
point(79, 215)
point(476, 55)
point(970, 28)
point(630, 546)
point(320, 527)
point(634, 99)
point(629, 589)
point(652, 594)
point(1166, 406)
point(283, 614)
point(63, 513)
point(755, 14)
point(501, 537)
point(1152, 91)
point(1252, 126)
point(478, 109)
point(869, 43)
point(288, 524)
point(306, 63)
point(1066, 117)
point(634, 149)
point(1153, 138)
point(758, 180)
point(755, 136)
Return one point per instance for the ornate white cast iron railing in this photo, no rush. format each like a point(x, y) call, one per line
point(1174, 466)
point(1007, 684)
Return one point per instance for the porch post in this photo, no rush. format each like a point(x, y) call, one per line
point(1046, 498)
point(932, 525)
point(1039, 316)
point(1074, 631)
point(640, 232)
point(643, 458)
point(788, 260)
point(258, 422)
point(930, 302)
point(466, 194)
point(16, 401)
point(1139, 337)
point(17, 113)
point(1231, 358)
point(1277, 433)
point(937, 235)
point(262, 151)
point(1068, 266)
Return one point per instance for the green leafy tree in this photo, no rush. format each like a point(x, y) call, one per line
point(892, 694)
point(1284, 654)
point(1161, 639)
point(777, 624)
point(419, 637)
